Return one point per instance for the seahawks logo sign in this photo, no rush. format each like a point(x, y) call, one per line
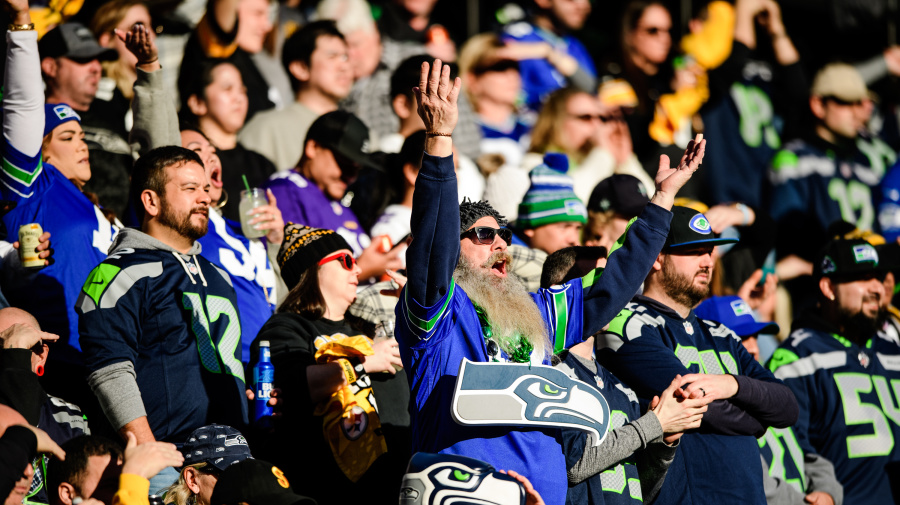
point(513, 394)
point(444, 479)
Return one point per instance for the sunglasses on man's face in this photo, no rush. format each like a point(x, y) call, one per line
point(486, 234)
point(346, 259)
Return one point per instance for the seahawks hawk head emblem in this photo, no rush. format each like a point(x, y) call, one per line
point(515, 394)
point(444, 479)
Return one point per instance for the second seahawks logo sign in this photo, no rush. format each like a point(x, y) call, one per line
point(700, 224)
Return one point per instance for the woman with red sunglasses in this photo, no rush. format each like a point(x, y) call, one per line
point(323, 366)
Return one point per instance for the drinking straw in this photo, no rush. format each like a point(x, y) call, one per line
point(246, 184)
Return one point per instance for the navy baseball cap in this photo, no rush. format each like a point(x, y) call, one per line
point(621, 193)
point(217, 445)
point(691, 228)
point(734, 313)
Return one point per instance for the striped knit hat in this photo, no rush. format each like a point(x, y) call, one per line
point(550, 199)
point(303, 247)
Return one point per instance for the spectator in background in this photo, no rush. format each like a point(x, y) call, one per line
point(837, 365)
point(311, 193)
point(214, 99)
point(316, 59)
point(753, 103)
point(827, 175)
point(70, 63)
point(550, 57)
point(593, 137)
point(643, 64)
point(550, 215)
point(20, 444)
point(614, 202)
point(888, 201)
point(412, 21)
point(208, 451)
point(234, 30)
point(493, 83)
point(138, 356)
point(254, 482)
point(403, 170)
point(374, 59)
point(91, 470)
point(307, 337)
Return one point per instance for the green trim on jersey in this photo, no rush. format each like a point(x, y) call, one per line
point(785, 159)
point(21, 175)
point(98, 280)
point(562, 320)
point(780, 358)
point(427, 326)
point(617, 325)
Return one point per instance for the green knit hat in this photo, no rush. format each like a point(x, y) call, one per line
point(550, 199)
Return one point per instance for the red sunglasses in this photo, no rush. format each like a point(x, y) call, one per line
point(347, 260)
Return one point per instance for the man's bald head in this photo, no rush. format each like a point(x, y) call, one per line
point(11, 315)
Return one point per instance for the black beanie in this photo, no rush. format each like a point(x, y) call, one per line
point(303, 247)
point(470, 211)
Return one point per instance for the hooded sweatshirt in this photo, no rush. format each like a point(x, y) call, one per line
point(161, 337)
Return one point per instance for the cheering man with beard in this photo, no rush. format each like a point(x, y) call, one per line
point(460, 303)
point(158, 323)
point(844, 375)
point(658, 336)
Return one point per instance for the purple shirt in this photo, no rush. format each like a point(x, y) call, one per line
point(302, 202)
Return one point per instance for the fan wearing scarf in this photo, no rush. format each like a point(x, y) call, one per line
point(460, 302)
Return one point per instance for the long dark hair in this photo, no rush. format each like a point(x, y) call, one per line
point(305, 298)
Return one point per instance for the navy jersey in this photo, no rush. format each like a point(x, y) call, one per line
point(80, 235)
point(647, 336)
point(745, 132)
point(848, 406)
point(539, 77)
point(174, 318)
point(784, 457)
point(621, 484)
point(247, 263)
point(814, 185)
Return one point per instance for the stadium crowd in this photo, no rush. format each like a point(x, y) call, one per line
point(493, 269)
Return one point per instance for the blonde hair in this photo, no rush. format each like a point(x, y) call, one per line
point(473, 55)
point(179, 493)
point(548, 129)
point(104, 22)
point(349, 15)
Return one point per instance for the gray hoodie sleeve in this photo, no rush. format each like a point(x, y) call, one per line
point(618, 445)
point(820, 477)
point(116, 388)
point(155, 118)
point(653, 464)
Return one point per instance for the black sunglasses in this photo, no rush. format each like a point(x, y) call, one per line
point(840, 101)
point(486, 234)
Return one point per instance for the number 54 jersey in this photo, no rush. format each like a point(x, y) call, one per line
point(161, 337)
point(848, 397)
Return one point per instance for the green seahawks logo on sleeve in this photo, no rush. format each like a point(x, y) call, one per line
point(107, 283)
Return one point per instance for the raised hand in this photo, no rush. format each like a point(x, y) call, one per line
point(150, 458)
point(436, 97)
point(140, 42)
point(669, 180)
point(18, 11)
point(24, 336)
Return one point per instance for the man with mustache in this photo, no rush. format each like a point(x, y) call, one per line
point(658, 337)
point(158, 322)
point(843, 374)
point(460, 302)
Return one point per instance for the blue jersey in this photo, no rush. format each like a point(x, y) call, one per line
point(888, 202)
point(80, 235)
point(539, 77)
point(171, 318)
point(647, 335)
point(814, 184)
point(621, 484)
point(437, 327)
point(246, 262)
point(848, 405)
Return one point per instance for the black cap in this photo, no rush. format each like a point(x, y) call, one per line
point(691, 228)
point(76, 42)
point(257, 483)
point(844, 259)
point(345, 135)
point(621, 193)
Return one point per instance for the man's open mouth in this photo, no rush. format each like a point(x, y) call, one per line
point(499, 268)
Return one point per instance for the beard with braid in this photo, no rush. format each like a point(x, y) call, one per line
point(509, 309)
point(680, 287)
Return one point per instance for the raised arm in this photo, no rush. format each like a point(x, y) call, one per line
point(434, 251)
point(23, 97)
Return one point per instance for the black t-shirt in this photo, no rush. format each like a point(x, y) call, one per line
point(298, 445)
point(235, 163)
point(110, 154)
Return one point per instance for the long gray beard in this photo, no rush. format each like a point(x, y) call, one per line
point(509, 309)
